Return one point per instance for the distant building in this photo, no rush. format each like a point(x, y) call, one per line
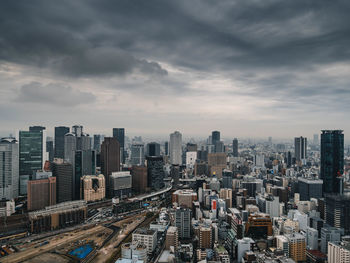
point(9, 169)
point(50, 149)
point(120, 184)
point(235, 147)
point(155, 172)
point(175, 148)
point(300, 147)
point(41, 193)
point(139, 179)
point(119, 134)
point(215, 137)
point(332, 160)
point(63, 172)
point(60, 132)
point(32, 154)
point(309, 188)
point(110, 158)
point(93, 188)
point(338, 211)
point(137, 154)
point(153, 149)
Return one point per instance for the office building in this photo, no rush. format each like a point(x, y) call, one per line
point(166, 148)
point(84, 164)
point(120, 184)
point(300, 148)
point(119, 134)
point(98, 138)
point(175, 148)
point(309, 188)
point(338, 252)
point(137, 154)
point(60, 132)
point(297, 247)
point(235, 147)
point(282, 243)
point(311, 238)
point(32, 154)
point(332, 160)
point(172, 238)
point(184, 198)
point(49, 149)
point(244, 245)
point(330, 234)
point(9, 169)
point(215, 137)
point(205, 237)
point(75, 141)
point(153, 149)
point(147, 237)
point(93, 188)
point(41, 193)
point(110, 158)
point(338, 211)
point(139, 179)
point(183, 222)
point(63, 172)
point(155, 172)
point(191, 158)
point(219, 147)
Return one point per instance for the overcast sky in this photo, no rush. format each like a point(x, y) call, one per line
point(246, 68)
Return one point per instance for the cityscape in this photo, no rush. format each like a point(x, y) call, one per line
point(166, 131)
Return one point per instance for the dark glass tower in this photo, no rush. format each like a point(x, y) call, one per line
point(332, 160)
point(235, 147)
point(215, 137)
point(153, 149)
point(84, 164)
point(119, 134)
point(155, 172)
point(59, 141)
point(300, 146)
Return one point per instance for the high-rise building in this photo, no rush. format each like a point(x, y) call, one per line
point(338, 252)
point(75, 141)
point(205, 237)
point(84, 164)
point(297, 247)
point(93, 188)
point(137, 154)
point(155, 172)
point(166, 148)
point(139, 179)
point(316, 141)
point(119, 134)
point(330, 234)
point(153, 149)
point(120, 184)
point(332, 160)
point(172, 238)
point(183, 222)
point(215, 137)
point(59, 141)
point(300, 147)
point(235, 147)
point(97, 142)
point(110, 158)
point(41, 193)
point(50, 149)
point(338, 211)
point(32, 154)
point(63, 172)
point(309, 188)
point(175, 148)
point(9, 180)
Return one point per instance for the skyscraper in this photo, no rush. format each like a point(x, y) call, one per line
point(9, 168)
point(119, 134)
point(332, 160)
point(75, 141)
point(32, 154)
point(137, 154)
point(300, 145)
point(155, 172)
point(175, 148)
point(153, 149)
point(316, 141)
point(97, 142)
point(63, 172)
point(215, 137)
point(41, 193)
point(59, 141)
point(166, 148)
point(110, 158)
point(338, 211)
point(235, 147)
point(49, 149)
point(183, 222)
point(84, 164)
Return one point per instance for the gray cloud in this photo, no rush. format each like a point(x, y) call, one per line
point(53, 94)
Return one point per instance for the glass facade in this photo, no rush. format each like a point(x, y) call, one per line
point(332, 160)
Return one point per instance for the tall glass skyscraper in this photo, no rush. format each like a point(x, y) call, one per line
point(119, 134)
point(59, 141)
point(8, 168)
point(332, 160)
point(32, 154)
point(300, 146)
point(175, 148)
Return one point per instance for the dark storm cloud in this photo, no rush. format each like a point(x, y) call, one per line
point(53, 94)
point(94, 38)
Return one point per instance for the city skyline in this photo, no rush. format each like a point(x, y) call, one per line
point(248, 69)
